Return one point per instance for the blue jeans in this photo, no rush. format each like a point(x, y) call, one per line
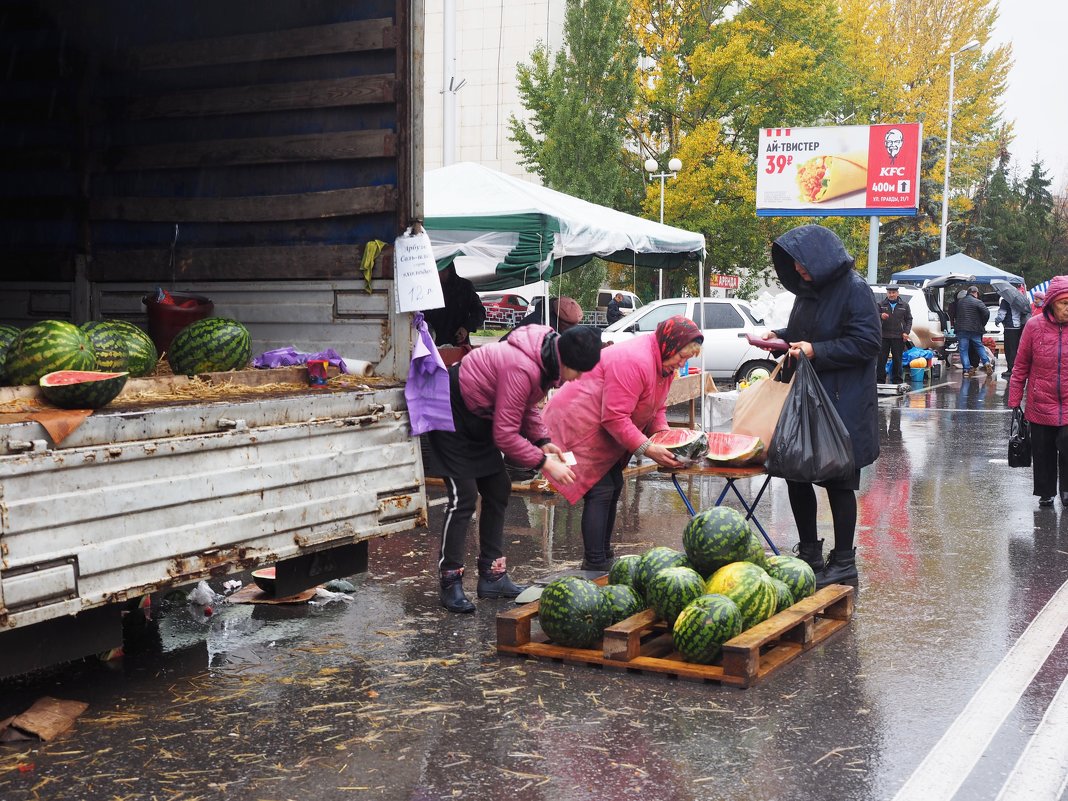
point(964, 340)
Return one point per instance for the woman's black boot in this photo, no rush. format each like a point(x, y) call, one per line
point(493, 580)
point(841, 568)
point(452, 591)
point(811, 552)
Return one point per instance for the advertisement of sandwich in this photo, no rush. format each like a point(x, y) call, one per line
point(849, 170)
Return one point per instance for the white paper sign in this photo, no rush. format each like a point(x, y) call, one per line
point(415, 273)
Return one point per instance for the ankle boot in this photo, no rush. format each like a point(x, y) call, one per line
point(493, 580)
point(841, 568)
point(452, 592)
point(811, 552)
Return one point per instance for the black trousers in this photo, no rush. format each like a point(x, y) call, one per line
point(599, 514)
point(1047, 464)
point(1012, 344)
point(843, 512)
point(462, 495)
point(894, 346)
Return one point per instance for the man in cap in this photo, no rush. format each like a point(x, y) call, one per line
point(972, 315)
point(897, 322)
point(1012, 322)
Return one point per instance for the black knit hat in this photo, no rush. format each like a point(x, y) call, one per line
point(580, 348)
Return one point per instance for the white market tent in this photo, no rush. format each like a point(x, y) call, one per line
point(978, 271)
point(502, 232)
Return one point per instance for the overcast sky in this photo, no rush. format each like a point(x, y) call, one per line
point(1036, 98)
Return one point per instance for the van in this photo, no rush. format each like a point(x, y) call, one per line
point(629, 303)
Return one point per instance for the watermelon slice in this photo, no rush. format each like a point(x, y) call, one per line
point(733, 449)
point(82, 389)
point(686, 444)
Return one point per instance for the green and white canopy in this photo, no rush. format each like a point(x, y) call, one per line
point(503, 232)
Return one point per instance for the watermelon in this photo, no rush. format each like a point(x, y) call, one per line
point(7, 336)
point(672, 589)
point(109, 345)
point(652, 562)
point(749, 586)
point(687, 445)
point(702, 627)
point(795, 573)
point(140, 350)
point(572, 611)
point(784, 599)
point(82, 389)
point(716, 537)
point(620, 602)
point(213, 345)
point(755, 553)
point(733, 449)
point(47, 347)
point(624, 569)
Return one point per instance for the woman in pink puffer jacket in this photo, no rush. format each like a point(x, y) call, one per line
point(1042, 365)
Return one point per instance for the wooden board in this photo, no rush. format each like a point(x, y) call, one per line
point(642, 643)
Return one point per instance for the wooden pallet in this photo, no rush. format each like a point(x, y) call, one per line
point(641, 643)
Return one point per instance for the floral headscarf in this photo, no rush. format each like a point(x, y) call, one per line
point(674, 334)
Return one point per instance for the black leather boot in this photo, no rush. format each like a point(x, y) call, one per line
point(493, 580)
point(811, 552)
point(452, 592)
point(841, 568)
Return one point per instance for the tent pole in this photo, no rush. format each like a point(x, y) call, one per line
point(701, 324)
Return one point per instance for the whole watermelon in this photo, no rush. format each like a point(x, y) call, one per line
point(755, 553)
point(46, 347)
point(652, 562)
point(213, 345)
point(716, 537)
point(795, 573)
point(572, 612)
point(7, 336)
point(140, 350)
point(624, 569)
point(703, 626)
point(109, 345)
point(749, 586)
point(784, 599)
point(672, 589)
point(621, 602)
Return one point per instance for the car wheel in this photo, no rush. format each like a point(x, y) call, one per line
point(754, 371)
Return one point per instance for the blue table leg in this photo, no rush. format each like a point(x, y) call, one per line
point(685, 500)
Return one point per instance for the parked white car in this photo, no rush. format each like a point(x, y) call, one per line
point(726, 353)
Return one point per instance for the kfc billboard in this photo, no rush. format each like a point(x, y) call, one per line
point(852, 170)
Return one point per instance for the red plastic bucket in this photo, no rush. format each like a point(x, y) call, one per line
point(167, 319)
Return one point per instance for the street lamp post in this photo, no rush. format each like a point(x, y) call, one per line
point(949, 138)
point(651, 167)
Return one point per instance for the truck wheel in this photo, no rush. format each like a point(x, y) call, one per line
point(754, 370)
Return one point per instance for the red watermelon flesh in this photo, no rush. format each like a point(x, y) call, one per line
point(725, 448)
point(686, 444)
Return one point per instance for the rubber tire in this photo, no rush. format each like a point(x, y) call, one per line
point(746, 371)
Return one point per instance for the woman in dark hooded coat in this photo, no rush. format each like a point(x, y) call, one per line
point(835, 323)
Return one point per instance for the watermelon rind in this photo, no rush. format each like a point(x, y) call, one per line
point(7, 336)
point(727, 449)
point(672, 589)
point(703, 626)
point(140, 349)
point(82, 389)
point(784, 599)
point(46, 347)
point(212, 345)
point(572, 612)
point(687, 445)
point(621, 601)
point(749, 586)
point(624, 569)
point(109, 345)
point(795, 573)
point(652, 562)
point(716, 537)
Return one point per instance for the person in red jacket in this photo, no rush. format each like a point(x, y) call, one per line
point(1042, 368)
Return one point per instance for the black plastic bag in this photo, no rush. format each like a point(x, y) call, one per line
point(811, 443)
point(1019, 440)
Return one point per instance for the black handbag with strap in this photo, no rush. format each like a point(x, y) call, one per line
point(1019, 440)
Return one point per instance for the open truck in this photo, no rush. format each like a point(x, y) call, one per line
point(248, 152)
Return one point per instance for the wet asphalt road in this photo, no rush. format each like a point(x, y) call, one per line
point(387, 696)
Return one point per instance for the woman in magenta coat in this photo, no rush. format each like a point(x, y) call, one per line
point(1042, 365)
point(608, 415)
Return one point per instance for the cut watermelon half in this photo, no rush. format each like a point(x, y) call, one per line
point(82, 389)
point(686, 444)
point(733, 449)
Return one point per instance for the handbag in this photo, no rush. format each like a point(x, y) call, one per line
point(427, 389)
point(757, 409)
point(1019, 440)
point(811, 443)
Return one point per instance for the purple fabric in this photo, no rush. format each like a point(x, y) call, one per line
point(287, 357)
point(427, 390)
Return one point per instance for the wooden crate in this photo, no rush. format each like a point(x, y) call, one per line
point(641, 643)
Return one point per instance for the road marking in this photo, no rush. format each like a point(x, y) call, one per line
point(947, 765)
point(1041, 773)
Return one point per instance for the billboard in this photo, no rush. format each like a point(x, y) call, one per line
point(842, 171)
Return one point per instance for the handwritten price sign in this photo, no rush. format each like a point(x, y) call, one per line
point(416, 274)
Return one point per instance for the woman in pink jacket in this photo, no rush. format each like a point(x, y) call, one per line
point(1042, 365)
point(495, 391)
point(609, 415)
